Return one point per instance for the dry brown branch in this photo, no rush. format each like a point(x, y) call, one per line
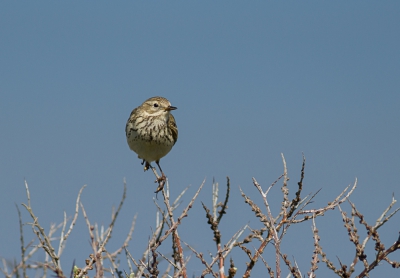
point(65, 237)
point(44, 242)
point(277, 227)
point(154, 238)
point(295, 202)
point(184, 214)
point(293, 270)
point(383, 219)
point(24, 257)
point(382, 252)
point(258, 212)
point(350, 225)
point(317, 250)
point(270, 271)
point(80, 272)
point(214, 221)
point(130, 258)
point(44, 239)
point(233, 240)
point(200, 256)
point(161, 182)
point(224, 206)
point(127, 239)
point(114, 217)
point(177, 248)
point(232, 269)
point(97, 247)
point(179, 273)
point(331, 205)
point(169, 261)
point(222, 253)
point(157, 238)
point(272, 229)
point(284, 188)
point(114, 266)
point(17, 266)
point(23, 249)
point(177, 200)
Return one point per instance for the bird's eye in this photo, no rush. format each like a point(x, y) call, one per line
point(155, 105)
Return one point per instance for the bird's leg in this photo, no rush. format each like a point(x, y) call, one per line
point(161, 180)
point(146, 166)
point(158, 178)
point(163, 177)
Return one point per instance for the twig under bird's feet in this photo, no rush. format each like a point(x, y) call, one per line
point(160, 180)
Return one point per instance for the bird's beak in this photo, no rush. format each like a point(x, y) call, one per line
point(169, 108)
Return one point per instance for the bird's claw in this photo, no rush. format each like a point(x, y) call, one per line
point(160, 186)
point(146, 166)
point(161, 181)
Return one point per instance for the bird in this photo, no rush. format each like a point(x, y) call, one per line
point(151, 132)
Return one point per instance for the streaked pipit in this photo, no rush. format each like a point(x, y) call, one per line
point(151, 132)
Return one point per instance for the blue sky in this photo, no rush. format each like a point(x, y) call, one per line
point(251, 80)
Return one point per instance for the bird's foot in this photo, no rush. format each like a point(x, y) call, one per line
point(161, 181)
point(163, 178)
point(160, 186)
point(147, 166)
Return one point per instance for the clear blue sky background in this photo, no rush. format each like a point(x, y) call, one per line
point(251, 80)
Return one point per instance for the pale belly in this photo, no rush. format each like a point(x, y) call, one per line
point(149, 150)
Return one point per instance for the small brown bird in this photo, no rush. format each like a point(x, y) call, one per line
point(151, 131)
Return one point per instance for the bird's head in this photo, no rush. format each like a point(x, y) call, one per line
point(157, 106)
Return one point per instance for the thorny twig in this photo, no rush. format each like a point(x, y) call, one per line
point(281, 223)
